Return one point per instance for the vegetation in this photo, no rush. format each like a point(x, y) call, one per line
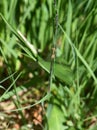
point(48, 64)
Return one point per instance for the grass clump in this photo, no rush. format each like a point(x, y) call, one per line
point(50, 46)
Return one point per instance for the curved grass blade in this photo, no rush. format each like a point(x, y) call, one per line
point(64, 73)
point(4, 95)
point(46, 97)
point(79, 55)
point(7, 77)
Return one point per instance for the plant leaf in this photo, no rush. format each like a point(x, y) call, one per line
point(62, 72)
point(56, 119)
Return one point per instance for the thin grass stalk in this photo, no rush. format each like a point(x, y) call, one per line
point(16, 102)
point(53, 48)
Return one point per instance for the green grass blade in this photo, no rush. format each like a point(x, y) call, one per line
point(4, 95)
point(46, 97)
point(62, 72)
point(68, 28)
point(79, 55)
point(19, 35)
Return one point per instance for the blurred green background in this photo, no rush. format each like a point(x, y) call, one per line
point(72, 104)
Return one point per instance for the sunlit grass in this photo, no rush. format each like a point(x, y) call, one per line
point(27, 35)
